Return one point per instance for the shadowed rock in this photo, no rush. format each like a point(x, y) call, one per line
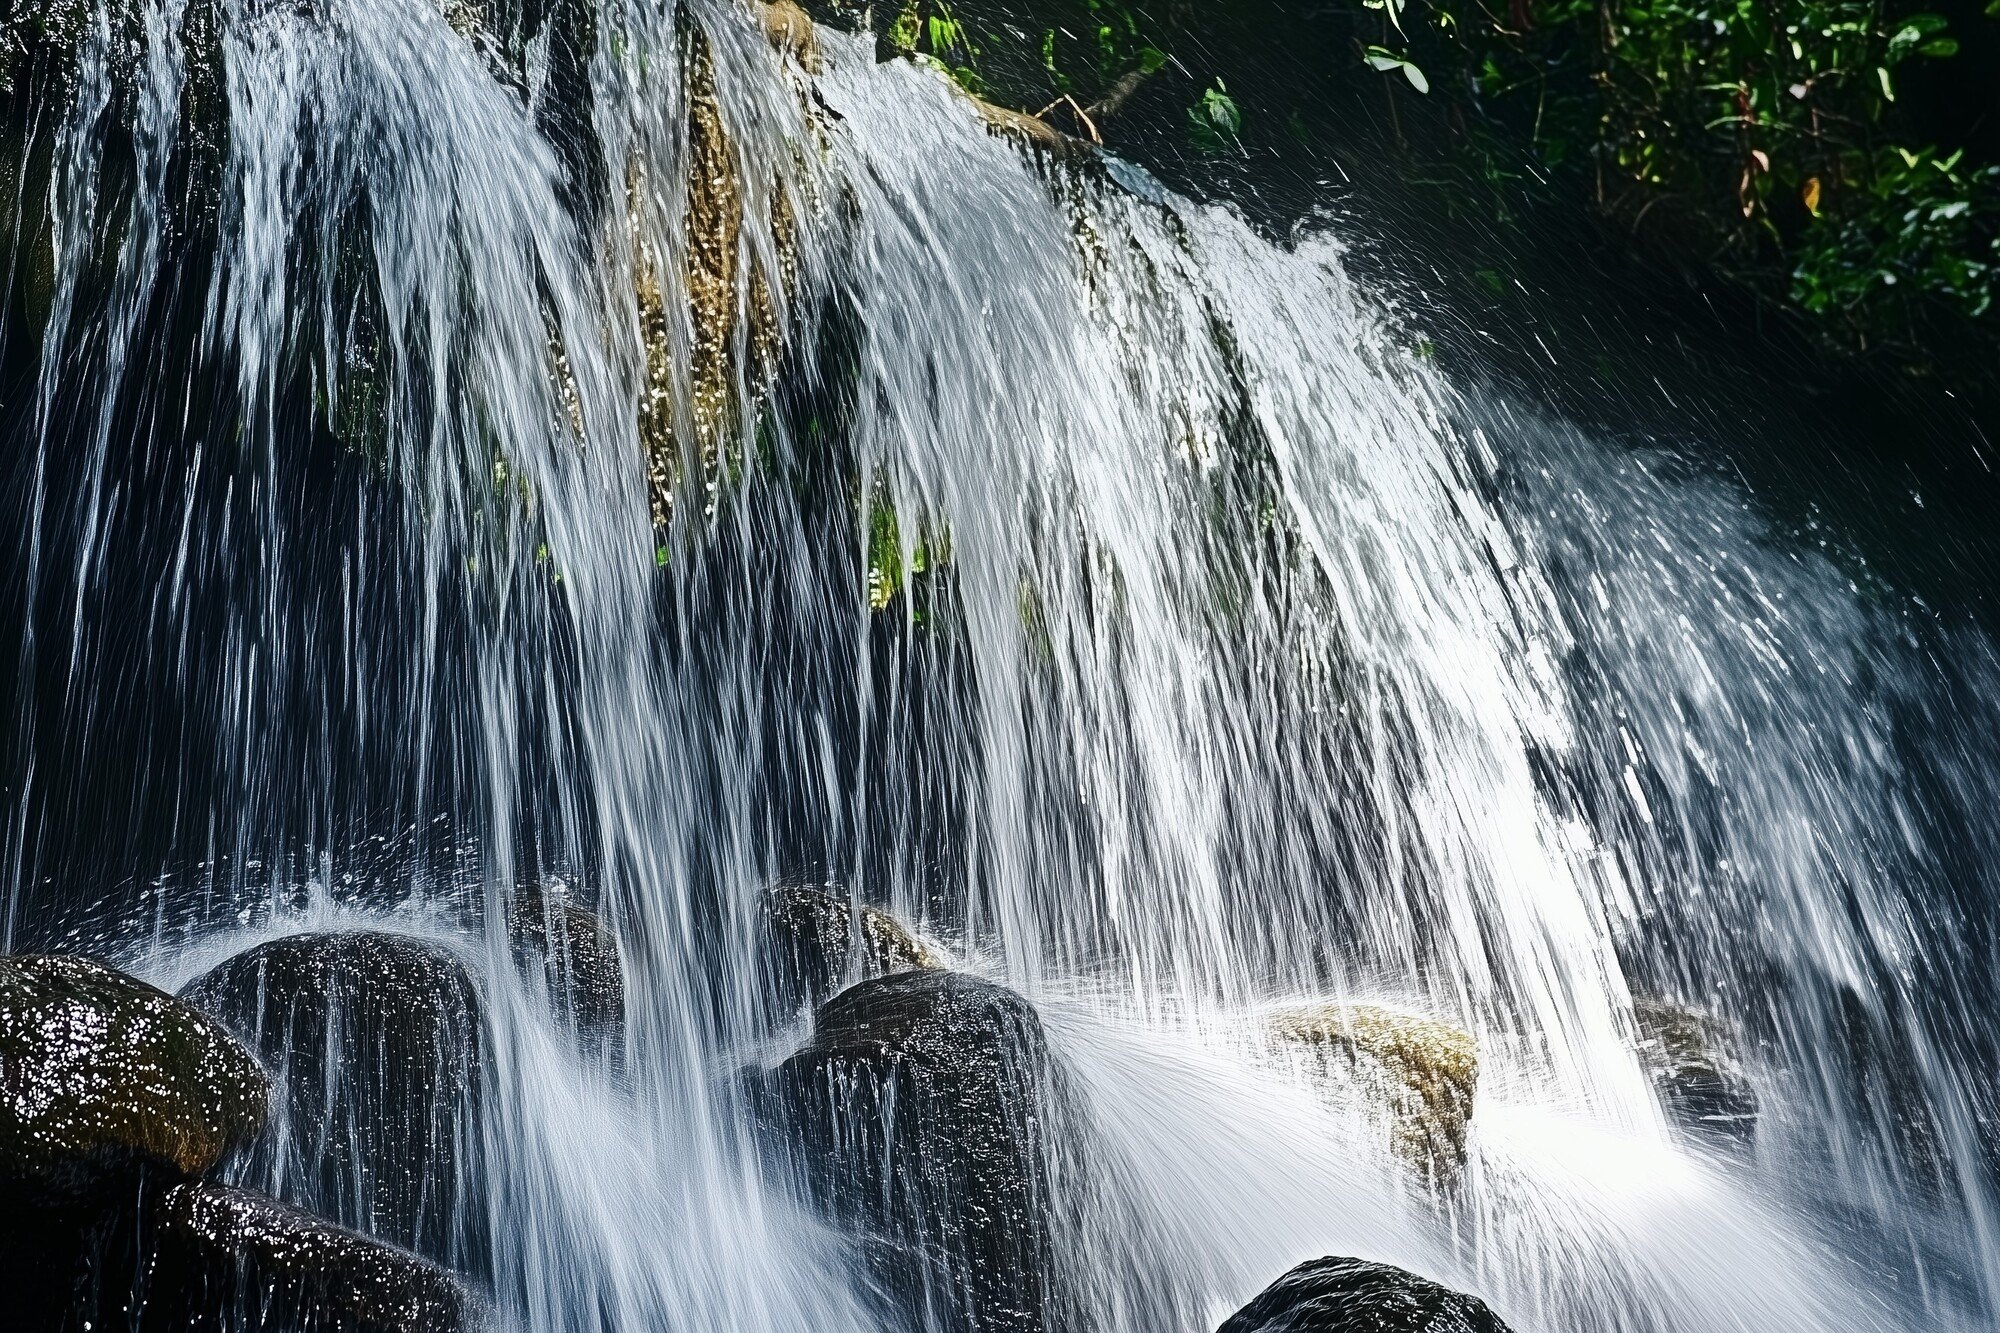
point(99, 1071)
point(1355, 1296)
point(221, 1258)
point(921, 1108)
point(171, 1256)
point(1687, 1056)
point(578, 957)
point(1418, 1073)
point(375, 1044)
point(817, 939)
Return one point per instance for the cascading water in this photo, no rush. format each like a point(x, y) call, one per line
point(604, 443)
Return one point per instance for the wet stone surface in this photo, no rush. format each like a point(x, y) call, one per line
point(1355, 1296)
point(1688, 1057)
point(1417, 1073)
point(921, 1111)
point(578, 957)
point(227, 1258)
point(817, 938)
point(98, 1069)
point(376, 1047)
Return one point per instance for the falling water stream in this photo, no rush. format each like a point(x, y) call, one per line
point(674, 464)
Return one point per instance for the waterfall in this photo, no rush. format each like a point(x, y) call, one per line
point(459, 448)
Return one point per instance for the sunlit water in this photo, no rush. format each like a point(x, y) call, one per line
point(1252, 663)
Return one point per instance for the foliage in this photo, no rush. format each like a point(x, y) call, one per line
point(928, 29)
point(1215, 121)
point(892, 565)
point(1790, 146)
point(1766, 136)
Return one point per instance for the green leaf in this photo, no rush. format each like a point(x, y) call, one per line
point(1383, 59)
point(1888, 90)
point(1216, 114)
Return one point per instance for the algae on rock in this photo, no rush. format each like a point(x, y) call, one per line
point(1418, 1073)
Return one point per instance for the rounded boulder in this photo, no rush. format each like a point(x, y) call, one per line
point(99, 1070)
point(1356, 1296)
point(375, 1042)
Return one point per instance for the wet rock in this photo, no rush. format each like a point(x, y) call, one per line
point(544, 50)
point(1355, 1296)
point(790, 31)
point(99, 1071)
point(578, 957)
point(222, 1258)
point(710, 264)
point(1421, 1073)
point(1688, 1057)
point(174, 1256)
point(921, 1109)
point(816, 939)
point(375, 1044)
point(36, 31)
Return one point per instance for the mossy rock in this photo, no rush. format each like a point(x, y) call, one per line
point(98, 1069)
point(1419, 1074)
point(376, 1043)
point(817, 939)
point(577, 956)
point(922, 1112)
point(1689, 1058)
point(1355, 1296)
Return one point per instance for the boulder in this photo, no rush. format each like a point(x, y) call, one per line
point(815, 939)
point(921, 1111)
point(99, 1071)
point(375, 1042)
point(227, 1259)
point(1418, 1073)
point(175, 1256)
point(578, 957)
point(1355, 1296)
point(1688, 1057)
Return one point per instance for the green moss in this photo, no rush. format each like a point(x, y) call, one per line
point(892, 565)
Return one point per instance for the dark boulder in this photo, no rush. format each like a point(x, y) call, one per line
point(376, 1044)
point(173, 1256)
point(99, 1071)
point(578, 959)
point(816, 940)
point(221, 1258)
point(921, 1110)
point(1355, 1296)
point(1690, 1060)
point(107, 1087)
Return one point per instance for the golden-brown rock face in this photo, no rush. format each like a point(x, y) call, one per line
point(1419, 1072)
point(729, 328)
point(790, 30)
